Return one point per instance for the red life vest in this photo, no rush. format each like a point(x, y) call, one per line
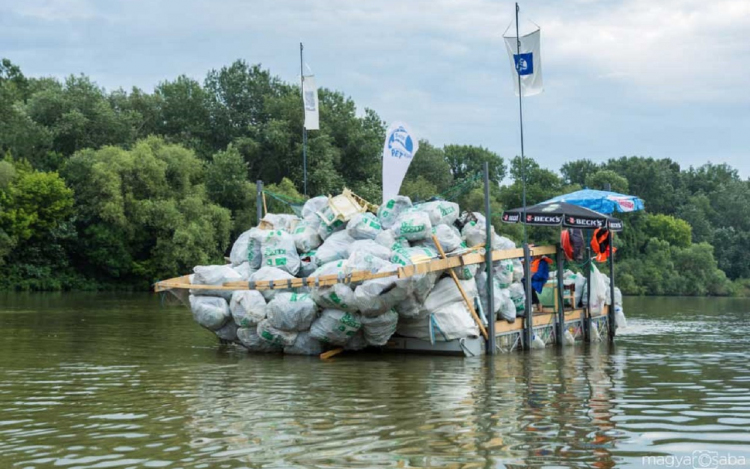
point(600, 244)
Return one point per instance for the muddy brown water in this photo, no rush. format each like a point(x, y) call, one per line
point(121, 380)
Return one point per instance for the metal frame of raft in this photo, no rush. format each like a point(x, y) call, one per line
point(549, 323)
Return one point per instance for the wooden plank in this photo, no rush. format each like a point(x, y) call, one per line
point(331, 353)
point(434, 265)
point(544, 319)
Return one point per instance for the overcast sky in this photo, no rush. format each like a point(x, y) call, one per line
point(666, 78)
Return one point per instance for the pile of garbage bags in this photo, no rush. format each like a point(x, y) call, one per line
point(354, 316)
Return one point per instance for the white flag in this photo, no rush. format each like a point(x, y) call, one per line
point(310, 99)
point(398, 150)
point(528, 63)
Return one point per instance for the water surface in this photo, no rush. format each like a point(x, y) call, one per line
point(115, 380)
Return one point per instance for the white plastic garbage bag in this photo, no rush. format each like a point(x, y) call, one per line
point(618, 297)
point(214, 275)
point(335, 327)
point(244, 270)
point(247, 248)
point(448, 316)
point(313, 206)
point(507, 309)
point(248, 307)
point(518, 295)
point(306, 237)
point(481, 279)
point(363, 260)
point(415, 255)
point(391, 209)
point(270, 273)
point(368, 246)
point(364, 226)
point(377, 330)
point(389, 240)
point(518, 271)
point(275, 336)
point(305, 344)
point(410, 308)
point(279, 251)
point(536, 342)
point(210, 312)
point(504, 272)
point(375, 297)
point(448, 236)
point(249, 338)
point(598, 291)
point(291, 311)
point(413, 225)
point(441, 212)
point(335, 247)
point(568, 338)
point(329, 224)
point(337, 296)
point(307, 264)
point(620, 321)
point(281, 221)
point(466, 272)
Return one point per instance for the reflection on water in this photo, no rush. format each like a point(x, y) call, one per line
point(119, 381)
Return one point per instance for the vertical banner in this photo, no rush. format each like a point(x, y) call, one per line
point(398, 150)
point(310, 97)
point(527, 64)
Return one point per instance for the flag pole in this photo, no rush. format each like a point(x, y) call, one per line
point(529, 318)
point(304, 129)
point(520, 115)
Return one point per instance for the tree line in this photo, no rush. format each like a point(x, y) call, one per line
point(115, 190)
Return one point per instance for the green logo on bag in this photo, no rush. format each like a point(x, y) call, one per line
point(391, 203)
point(409, 228)
point(446, 210)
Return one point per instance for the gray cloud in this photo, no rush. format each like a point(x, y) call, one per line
point(662, 79)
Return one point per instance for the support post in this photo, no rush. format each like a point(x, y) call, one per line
point(304, 129)
point(528, 323)
point(259, 199)
point(587, 309)
point(490, 314)
point(611, 313)
point(560, 259)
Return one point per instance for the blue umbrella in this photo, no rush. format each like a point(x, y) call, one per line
point(601, 201)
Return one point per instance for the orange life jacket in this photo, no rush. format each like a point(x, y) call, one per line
point(600, 244)
point(535, 263)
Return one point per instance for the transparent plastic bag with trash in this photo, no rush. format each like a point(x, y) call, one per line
point(364, 226)
point(306, 237)
point(448, 236)
point(391, 209)
point(247, 248)
point(313, 206)
point(248, 308)
point(279, 250)
point(441, 212)
point(413, 225)
point(275, 336)
point(281, 221)
point(291, 311)
point(214, 275)
point(390, 241)
point(336, 296)
point(377, 330)
point(377, 296)
point(211, 312)
point(272, 273)
point(370, 247)
point(335, 327)
point(334, 248)
point(518, 295)
point(249, 338)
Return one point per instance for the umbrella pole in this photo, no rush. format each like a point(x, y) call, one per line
point(587, 309)
point(611, 312)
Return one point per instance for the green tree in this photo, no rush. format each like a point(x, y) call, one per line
point(601, 178)
point(467, 160)
point(576, 172)
point(668, 228)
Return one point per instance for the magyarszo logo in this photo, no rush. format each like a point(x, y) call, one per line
point(400, 144)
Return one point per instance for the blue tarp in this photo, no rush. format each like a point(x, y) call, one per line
point(601, 201)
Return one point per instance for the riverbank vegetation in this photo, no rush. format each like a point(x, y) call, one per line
point(115, 190)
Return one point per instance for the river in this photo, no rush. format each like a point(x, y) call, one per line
point(122, 380)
